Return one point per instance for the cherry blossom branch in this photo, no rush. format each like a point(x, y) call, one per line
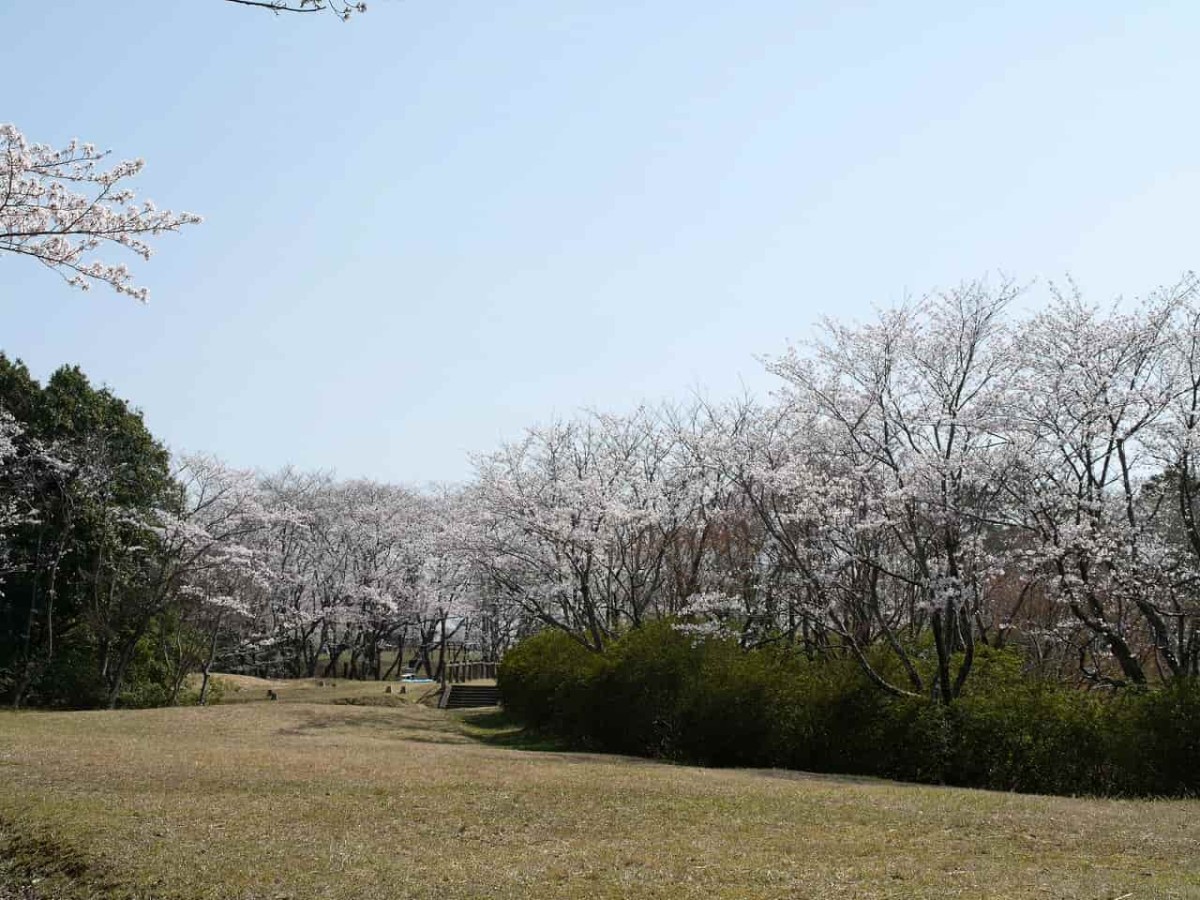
point(59, 206)
point(341, 8)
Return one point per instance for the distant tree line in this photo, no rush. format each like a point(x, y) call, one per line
point(944, 478)
point(123, 571)
point(947, 478)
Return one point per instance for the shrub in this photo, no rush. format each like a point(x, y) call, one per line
point(639, 692)
point(1014, 732)
point(1158, 739)
point(724, 713)
point(658, 692)
point(548, 681)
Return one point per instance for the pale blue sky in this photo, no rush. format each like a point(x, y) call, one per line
point(449, 219)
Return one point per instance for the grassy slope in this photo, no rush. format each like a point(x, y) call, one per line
point(303, 799)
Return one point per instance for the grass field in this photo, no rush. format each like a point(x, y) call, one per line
point(328, 799)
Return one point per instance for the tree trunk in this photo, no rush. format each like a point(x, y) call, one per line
point(123, 662)
point(331, 666)
point(207, 670)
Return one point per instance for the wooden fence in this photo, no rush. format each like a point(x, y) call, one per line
point(470, 671)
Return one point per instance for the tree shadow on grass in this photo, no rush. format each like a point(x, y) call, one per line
point(493, 727)
point(379, 722)
point(58, 869)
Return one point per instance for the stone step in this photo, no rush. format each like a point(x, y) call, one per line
point(469, 696)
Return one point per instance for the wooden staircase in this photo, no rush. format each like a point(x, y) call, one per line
point(469, 696)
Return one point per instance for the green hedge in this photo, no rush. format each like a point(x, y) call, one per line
point(661, 693)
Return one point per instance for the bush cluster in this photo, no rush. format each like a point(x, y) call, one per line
point(661, 693)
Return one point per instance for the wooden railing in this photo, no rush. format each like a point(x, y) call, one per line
point(470, 671)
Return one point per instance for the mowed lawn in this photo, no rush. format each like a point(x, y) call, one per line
point(317, 799)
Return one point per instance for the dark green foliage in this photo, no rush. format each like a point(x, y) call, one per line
point(638, 692)
point(549, 682)
point(81, 568)
point(657, 692)
point(1013, 732)
point(1160, 739)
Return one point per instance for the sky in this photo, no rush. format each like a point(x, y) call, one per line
point(442, 222)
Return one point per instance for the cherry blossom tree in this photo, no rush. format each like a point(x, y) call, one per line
point(367, 559)
point(10, 502)
point(885, 488)
point(585, 522)
point(1103, 404)
point(193, 560)
point(355, 570)
point(217, 569)
point(1177, 444)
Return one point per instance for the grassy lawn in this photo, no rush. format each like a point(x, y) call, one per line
point(325, 799)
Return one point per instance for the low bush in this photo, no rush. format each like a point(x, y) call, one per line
point(663, 693)
point(549, 681)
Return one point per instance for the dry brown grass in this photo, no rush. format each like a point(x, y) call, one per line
point(299, 800)
point(246, 688)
